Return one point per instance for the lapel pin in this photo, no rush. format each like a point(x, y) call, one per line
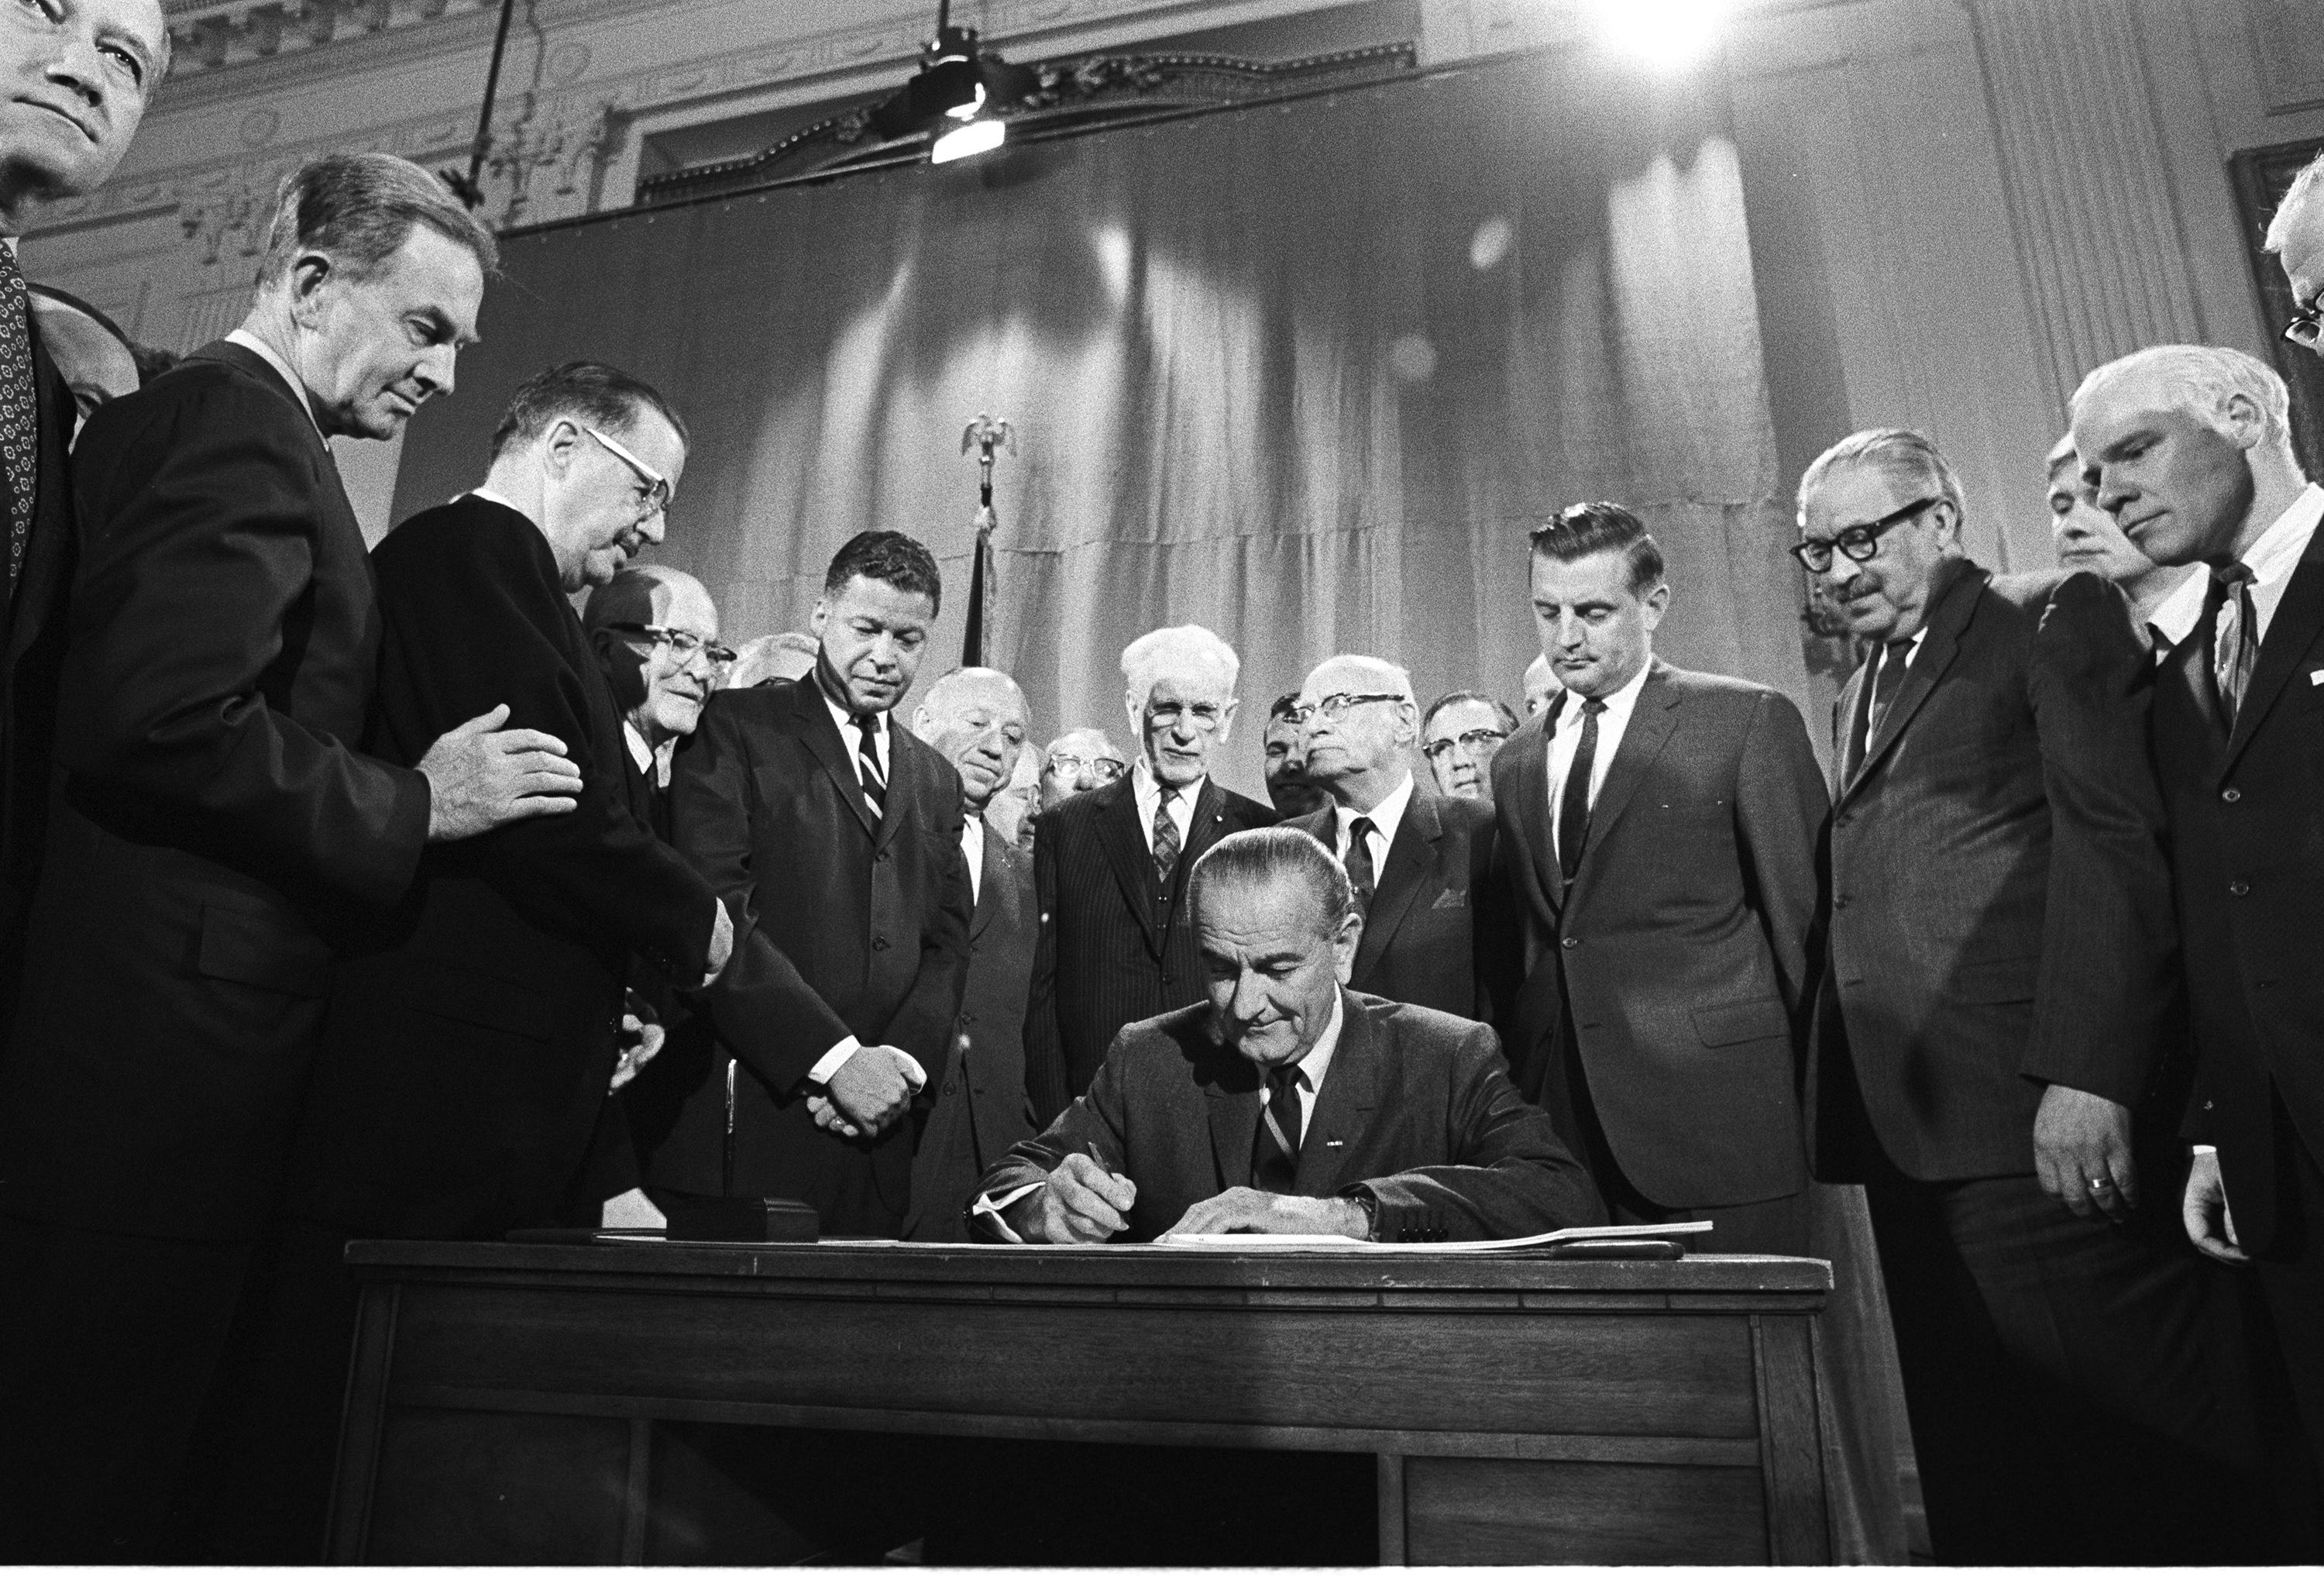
point(1332, 1143)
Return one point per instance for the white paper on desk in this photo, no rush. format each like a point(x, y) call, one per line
point(1286, 1242)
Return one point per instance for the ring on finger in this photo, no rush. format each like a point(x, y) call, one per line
point(2101, 1183)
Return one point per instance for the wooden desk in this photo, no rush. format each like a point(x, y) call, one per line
point(507, 1399)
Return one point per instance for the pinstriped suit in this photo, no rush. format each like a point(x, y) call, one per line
point(1104, 959)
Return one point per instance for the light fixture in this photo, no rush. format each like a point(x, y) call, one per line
point(1666, 34)
point(981, 135)
point(959, 83)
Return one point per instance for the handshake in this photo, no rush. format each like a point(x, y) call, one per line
point(867, 1093)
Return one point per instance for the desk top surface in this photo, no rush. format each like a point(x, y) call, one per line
point(1097, 1268)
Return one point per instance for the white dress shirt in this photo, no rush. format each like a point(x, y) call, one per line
point(848, 731)
point(654, 763)
point(1313, 1068)
point(2278, 552)
point(1384, 817)
point(1148, 794)
point(1566, 737)
point(1872, 678)
point(972, 848)
point(252, 342)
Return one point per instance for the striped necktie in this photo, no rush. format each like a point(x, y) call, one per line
point(1165, 840)
point(867, 763)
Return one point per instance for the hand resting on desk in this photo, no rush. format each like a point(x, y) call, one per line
point(1249, 1208)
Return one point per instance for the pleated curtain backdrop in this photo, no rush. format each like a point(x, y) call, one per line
point(1303, 372)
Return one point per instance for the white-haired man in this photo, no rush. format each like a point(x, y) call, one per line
point(2188, 448)
point(1419, 865)
point(2296, 237)
point(1110, 866)
point(1542, 685)
point(655, 632)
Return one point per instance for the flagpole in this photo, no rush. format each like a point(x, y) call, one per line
point(986, 436)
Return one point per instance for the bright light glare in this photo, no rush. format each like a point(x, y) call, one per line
point(978, 136)
point(969, 111)
point(1664, 33)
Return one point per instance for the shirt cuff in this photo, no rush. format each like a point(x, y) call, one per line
point(2202, 1148)
point(834, 1059)
point(990, 1205)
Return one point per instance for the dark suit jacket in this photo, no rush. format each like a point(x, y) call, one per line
point(2000, 911)
point(2247, 844)
point(32, 634)
point(982, 1108)
point(213, 817)
point(1684, 943)
point(1434, 936)
point(1416, 1108)
point(869, 922)
point(468, 1043)
point(1103, 960)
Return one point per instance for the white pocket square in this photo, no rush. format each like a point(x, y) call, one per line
point(2317, 677)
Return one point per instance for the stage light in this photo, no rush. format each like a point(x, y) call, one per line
point(1666, 34)
point(977, 136)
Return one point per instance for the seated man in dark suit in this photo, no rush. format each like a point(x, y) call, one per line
point(1419, 864)
point(975, 718)
point(1284, 1102)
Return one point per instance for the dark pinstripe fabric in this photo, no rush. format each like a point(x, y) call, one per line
point(1103, 960)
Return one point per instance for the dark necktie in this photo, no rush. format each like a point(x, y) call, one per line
point(1360, 875)
point(20, 412)
point(867, 763)
point(1887, 680)
point(2236, 647)
point(1275, 1158)
point(1574, 803)
point(1166, 841)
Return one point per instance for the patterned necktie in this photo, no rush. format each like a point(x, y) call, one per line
point(1166, 841)
point(2236, 644)
point(1574, 803)
point(1275, 1158)
point(20, 412)
point(867, 763)
point(1360, 863)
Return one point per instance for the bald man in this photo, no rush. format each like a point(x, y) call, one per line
point(975, 718)
point(655, 632)
point(1419, 864)
point(1542, 685)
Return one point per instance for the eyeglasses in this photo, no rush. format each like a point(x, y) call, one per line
point(1474, 741)
point(657, 485)
point(1106, 767)
point(2307, 325)
point(1203, 714)
point(1859, 542)
point(685, 642)
point(1333, 706)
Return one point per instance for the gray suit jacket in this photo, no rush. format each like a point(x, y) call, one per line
point(2000, 909)
point(1433, 937)
point(1683, 944)
point(1415, 1110)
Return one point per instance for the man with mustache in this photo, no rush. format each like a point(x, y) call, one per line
point(214, 826)
point(1993, 1012)
point(837, 837)
point(2188, 448)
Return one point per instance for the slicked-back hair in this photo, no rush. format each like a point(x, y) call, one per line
point(589, 393)
point(1910, 461)
point(1581, 530)
point(2201, 378)
point(1284, 705)
point(1272, 856)
point(359, 208)
point(891, 557)
point(628, 598)
point(1508, 719)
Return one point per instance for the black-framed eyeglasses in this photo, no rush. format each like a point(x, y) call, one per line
point(2307, 325)
point(657, 485)
point(1858, 542)
point(1333, 706)
point(1474, 741)
point(685, 642)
